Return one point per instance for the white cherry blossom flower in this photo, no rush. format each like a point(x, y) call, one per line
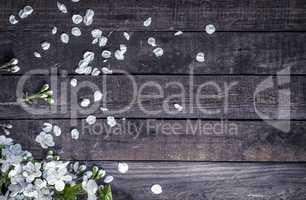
point(31, 171)
point(45, 140)
point(147, 22)
point(91, 187)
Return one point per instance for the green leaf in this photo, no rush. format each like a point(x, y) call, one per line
point(70, 192)
point(105, 193)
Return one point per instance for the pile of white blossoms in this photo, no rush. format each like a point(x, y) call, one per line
point(24, 178)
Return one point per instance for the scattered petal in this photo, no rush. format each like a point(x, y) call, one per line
point(37, 55)
point(13, 20)
point(105, 70)
point(103, 109)
point(75, 134)
point(96, 33)
point(152, 41)
point(106, 54)
point(54, 30)
point(62, 7)
point(75, 31)
point(178, 107)
point(73, 82)
point(75, 1)
point(178, 33)
point(111, 121)
point(126, 35)
point(119, 55)
point(45, 45)
point(123, 48)
point(88, 19)
point(98, 96)
point(147, 22)
point(158, 52)
point(57, 130)
point(156, 189)
point(123, 167)
point(91, 119)
point(85, 103)
point(103, 41)
point(108, 179)
point(210, 29)
point(77, 19)
point(200, 57)
point(65, 38)
point(89, 56)
point(25, 12)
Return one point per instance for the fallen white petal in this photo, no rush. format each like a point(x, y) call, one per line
point(106, 54)
point(54, 30)
point(156, 189)
point(13, 20)
point(158, 52)
point(147, 22)
point(75, 1)
point(77, 19)
point(47, 127)
point(119, 55)
point(111, 121)
point(96, 33)
point(126, 35)
point(75, 134)
point(37, 55)
point(123, 167)
point(75, 31)
point(103, 41)
point(85, 103)
point(88, 18)
point(73, 82)
point(103, 109)
point(62, 7)
point(123, 48)
point(210, 29)
point(98, 96)
point(105, 70)
point(200, 57)
point(152, 41)
point(57, 130)
point(178, 107)
point(108, 179)
point(25, 12)
point(89, 56)
point(65, 38)
point(178, 33)
point(45, 45)
point(91, 119)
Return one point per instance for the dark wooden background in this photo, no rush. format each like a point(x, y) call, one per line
point(254, 40)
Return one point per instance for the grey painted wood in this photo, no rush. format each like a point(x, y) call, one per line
point(225, 53)
point(192, 15)
point(126, 99)
point(137, 139)
point(209, 181)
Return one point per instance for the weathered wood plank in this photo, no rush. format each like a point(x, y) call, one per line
point(213, 97)
point(138, 139)
point(206, 181)
point(190, 15)
point(226, 53)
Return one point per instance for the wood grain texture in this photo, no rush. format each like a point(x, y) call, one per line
point(190, 140)
point(225, 53)
point(187, 15)
point(125, 98)
point(207, 181)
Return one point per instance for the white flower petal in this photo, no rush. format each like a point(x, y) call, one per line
point(210, 29)
point(85, 103)
point(98, 96)
point(158, 52)
point(95, 72)
point(62, 7)
point(111, 121)
point(106, 54)
point(91, 119)
point(200, 57)
point(73, 82)
point(13, 20)
point(126, 35)
point(54, 30)
point(65, 38)
point(103, 41)
point(88, 18)
point(96, 33)
point(25, 12)
point(178, 107)
point(76, 31)
point(178, 33)
point(119, 55)
point(45, 45)
point(156, 189)
point(108, 179)
point(47, 127)
point(59, 186)
point(75, 134)
point(57, 130)
point(106, 71)
point(37, 55)
point(152, 41)
point(77, 19)
point(123, 167)
point(89, 56)
point(147, 22)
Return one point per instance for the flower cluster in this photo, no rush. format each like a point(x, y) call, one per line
point(22, 177)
